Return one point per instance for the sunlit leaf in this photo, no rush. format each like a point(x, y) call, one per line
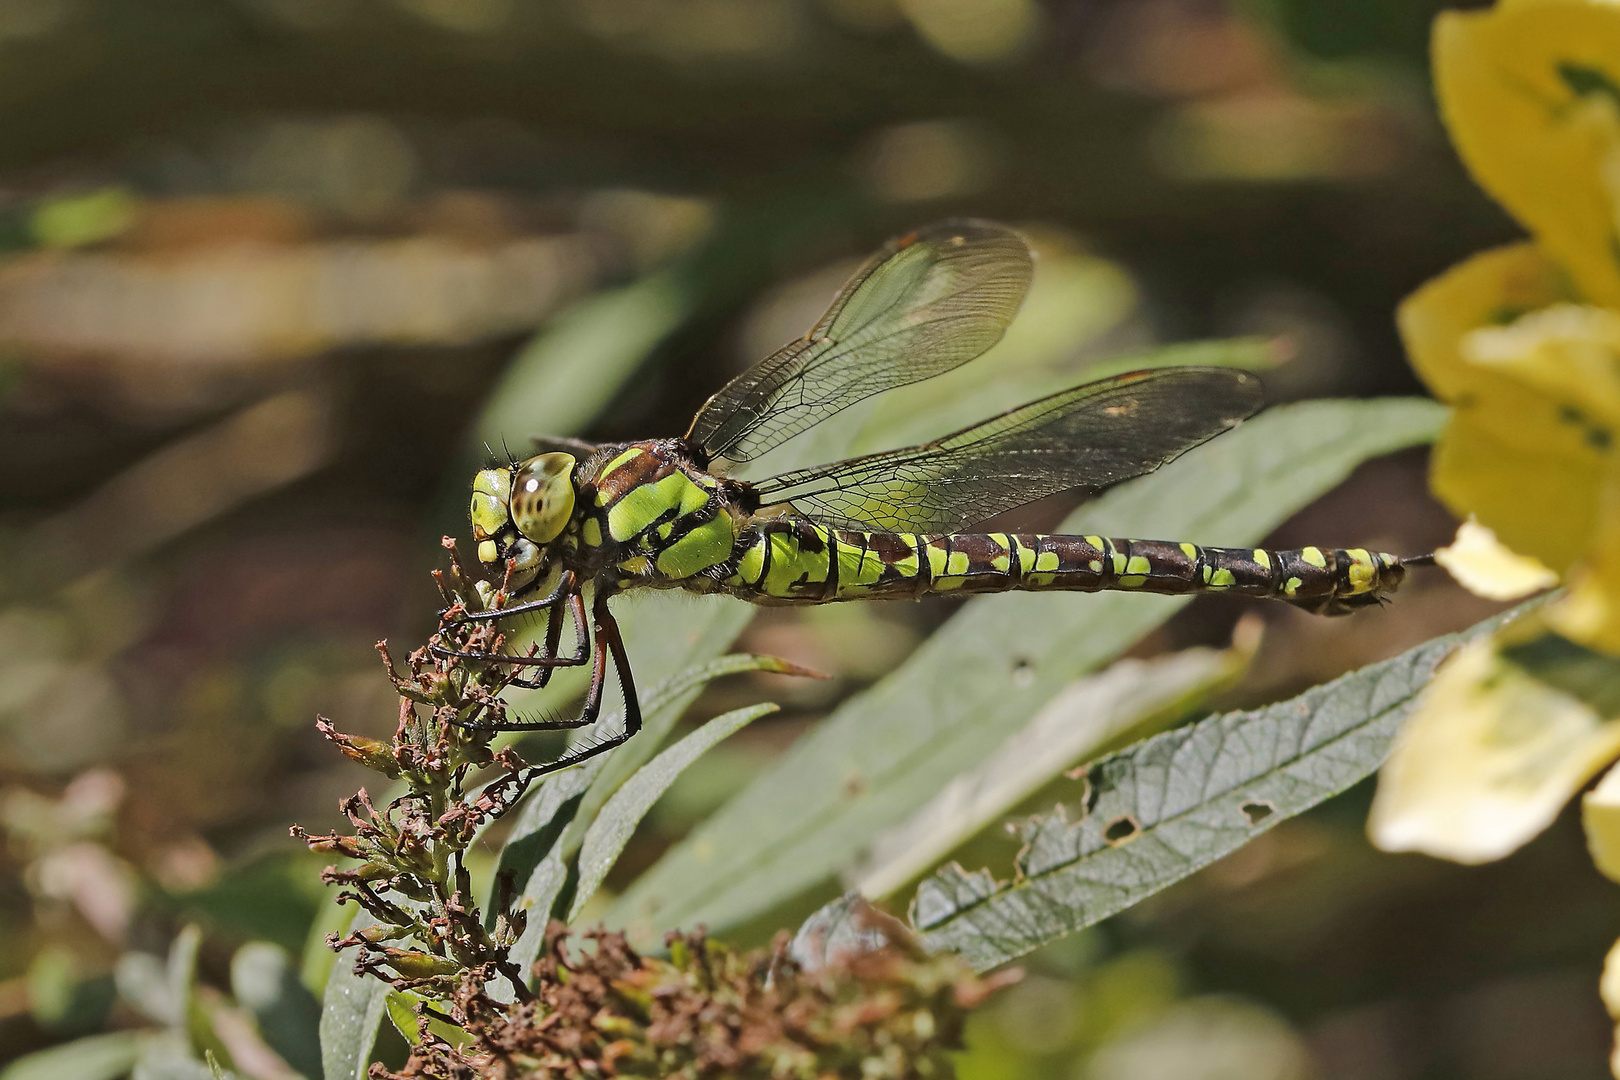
point(1483, 566)
point(550, 826)
point(1531, 97)
point(565, 376)
point(1083, 717)
point(1175, 803)
point(352, 1011)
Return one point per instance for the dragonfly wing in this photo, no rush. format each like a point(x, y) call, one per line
point(928, 302)
point(1088, 437)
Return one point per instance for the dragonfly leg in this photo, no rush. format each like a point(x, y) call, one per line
point(565, 588)
point(566, 592)
point(608, 640)
point(582, 646)
point(593, 698)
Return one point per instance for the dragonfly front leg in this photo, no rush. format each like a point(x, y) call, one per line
point(567, 586)
point(568, 592)
point(582, 645)
point(608, 640)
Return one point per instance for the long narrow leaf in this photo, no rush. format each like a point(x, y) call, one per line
point(352, 1011)
point(564, 377)
point(1175, 803)
point(551, 827)
point(611, 830)
point(992, 667)
point(96, 1057)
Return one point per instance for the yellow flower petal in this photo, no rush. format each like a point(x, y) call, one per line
point(1477, 559)
point(1531, 95)
point(1488, 759)
point(1590, 614)
point(1600, 815)
point(1566, 352)
point(1609, 989)
point(1531, 440)
point(1492, 288)
point(1510, 462)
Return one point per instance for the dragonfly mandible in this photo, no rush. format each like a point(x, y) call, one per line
point(663, 513)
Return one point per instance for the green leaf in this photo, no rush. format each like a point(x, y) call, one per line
point(98, 1057)
point(402, 1011)
point(182, 972)
point(993, 666)
point(551, 826)
point(1074, 726)
point(611, 830)
point(351, 1014)
point(1175, 803)
point(169, 1057)
point(265, 981)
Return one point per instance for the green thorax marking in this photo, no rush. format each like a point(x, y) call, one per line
point(660, 513)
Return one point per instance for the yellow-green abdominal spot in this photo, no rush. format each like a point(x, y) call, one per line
point(1313, 556)
point(908, 566)
point(707, 545)
point(1291, 586)
point(1222, 579)
point(1001, 563)
point(1047, 562)
point(1262, 557)
point(1190, 550)
point(1363, 572)
point(789, 565)
point(1026, 558)
point(1136, 571)
point(858, 569)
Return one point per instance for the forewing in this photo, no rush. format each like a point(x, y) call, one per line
point(1087, 437)
point(928, 302)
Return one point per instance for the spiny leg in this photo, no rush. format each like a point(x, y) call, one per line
point(567, 591)
point(566, 587)
point(582, 645)
point(593, 698)
point(608, 639)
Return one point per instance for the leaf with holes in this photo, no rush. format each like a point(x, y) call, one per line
point(1175, 803)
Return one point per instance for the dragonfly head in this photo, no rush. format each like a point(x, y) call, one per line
point(516, 512)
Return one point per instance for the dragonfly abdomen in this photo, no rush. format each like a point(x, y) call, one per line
point(794, 560)
point(1324, 580)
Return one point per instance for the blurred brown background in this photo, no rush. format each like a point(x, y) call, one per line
point(268, 266)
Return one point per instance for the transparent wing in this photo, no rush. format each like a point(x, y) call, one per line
point(1088, 437)
point(928, 302)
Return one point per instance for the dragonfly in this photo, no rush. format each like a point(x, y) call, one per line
point(664, 513)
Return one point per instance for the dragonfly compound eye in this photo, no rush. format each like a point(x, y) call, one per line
point(542, 497)
point(492, 489)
